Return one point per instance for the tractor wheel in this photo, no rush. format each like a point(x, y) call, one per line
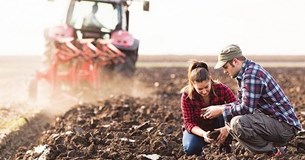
point(128, 68)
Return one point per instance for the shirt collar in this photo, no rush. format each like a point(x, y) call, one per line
point(242, 71)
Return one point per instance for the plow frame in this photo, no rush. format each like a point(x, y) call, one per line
point(78, 65)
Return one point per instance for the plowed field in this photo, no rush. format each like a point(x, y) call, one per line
point(140, 121)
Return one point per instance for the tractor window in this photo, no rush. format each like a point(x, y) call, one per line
point(106, 14)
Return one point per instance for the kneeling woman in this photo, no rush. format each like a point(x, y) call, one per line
point(202, 91)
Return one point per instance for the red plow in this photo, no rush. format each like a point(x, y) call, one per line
point(78, 64)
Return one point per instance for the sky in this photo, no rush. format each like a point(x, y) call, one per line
point(271, 27)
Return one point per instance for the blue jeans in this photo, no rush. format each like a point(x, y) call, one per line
point(193, 144)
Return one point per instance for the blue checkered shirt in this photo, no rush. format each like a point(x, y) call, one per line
point(258, 91)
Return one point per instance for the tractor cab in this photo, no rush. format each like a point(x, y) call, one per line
point(97, 19)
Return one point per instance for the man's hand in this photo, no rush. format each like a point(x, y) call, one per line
point(212, 112)
point(223, 135)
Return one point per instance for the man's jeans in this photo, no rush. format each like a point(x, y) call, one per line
point(260, 133)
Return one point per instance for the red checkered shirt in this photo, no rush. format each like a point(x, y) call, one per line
point(191, 108)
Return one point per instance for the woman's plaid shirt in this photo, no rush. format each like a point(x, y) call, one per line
point(191, 108)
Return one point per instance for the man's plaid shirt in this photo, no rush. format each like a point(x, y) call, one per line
point(259, 91)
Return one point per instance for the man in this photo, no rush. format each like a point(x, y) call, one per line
point(262, 119)
point(91, 22)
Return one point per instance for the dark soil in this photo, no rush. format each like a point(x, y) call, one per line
point(122, 126)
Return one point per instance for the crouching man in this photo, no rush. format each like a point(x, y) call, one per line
point(262, 119)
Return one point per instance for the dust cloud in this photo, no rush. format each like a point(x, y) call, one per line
point(14, 94)
point(16, 73)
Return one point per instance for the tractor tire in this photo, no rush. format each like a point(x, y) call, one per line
point(128, 68)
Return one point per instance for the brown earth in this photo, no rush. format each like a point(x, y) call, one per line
point(139, 120)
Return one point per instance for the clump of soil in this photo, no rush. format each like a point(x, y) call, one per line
point(149, 127)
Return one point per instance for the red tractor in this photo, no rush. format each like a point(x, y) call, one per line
point(91, 46)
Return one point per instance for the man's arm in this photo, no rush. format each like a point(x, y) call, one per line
point(250, 92)
point(97, 22)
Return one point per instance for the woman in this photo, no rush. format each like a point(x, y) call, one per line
point(201, 92)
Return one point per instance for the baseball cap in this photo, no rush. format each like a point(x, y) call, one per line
point(228, 53)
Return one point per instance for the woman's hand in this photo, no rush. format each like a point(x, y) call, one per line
point(206, 138)
point(212, 112)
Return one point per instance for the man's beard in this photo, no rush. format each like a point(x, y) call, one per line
point(235, 75)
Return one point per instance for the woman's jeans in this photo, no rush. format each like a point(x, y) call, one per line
point(193, 144)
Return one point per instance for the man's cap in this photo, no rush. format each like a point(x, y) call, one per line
point(228, 53)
